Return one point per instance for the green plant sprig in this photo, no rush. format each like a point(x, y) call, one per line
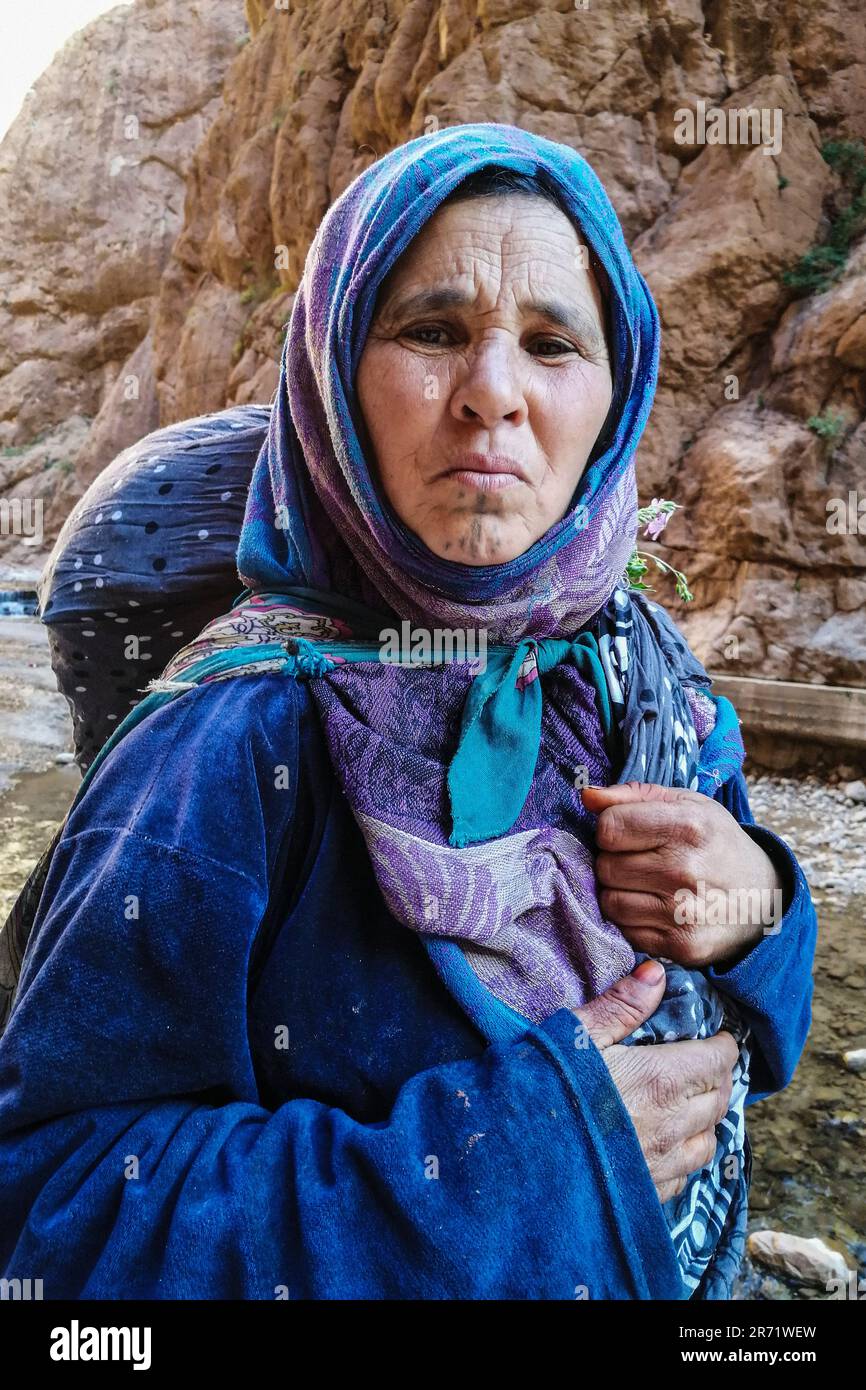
point(654, 518)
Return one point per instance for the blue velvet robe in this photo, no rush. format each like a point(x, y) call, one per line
point(328, 1123)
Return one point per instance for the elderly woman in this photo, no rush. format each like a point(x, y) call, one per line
point(333, 987)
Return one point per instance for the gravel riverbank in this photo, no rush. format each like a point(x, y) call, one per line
point(810, 1142)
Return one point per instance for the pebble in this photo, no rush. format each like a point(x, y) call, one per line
point(807, 1261)
point(779, 1165)
point(825, 1095)
point(855, 791)
point(855, 1061)
point(847, 1123)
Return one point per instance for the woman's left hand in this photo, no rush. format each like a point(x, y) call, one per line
point(679, 875)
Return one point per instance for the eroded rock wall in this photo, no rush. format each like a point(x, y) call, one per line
point(93, 176)
point(323, 88)
point(320, 89)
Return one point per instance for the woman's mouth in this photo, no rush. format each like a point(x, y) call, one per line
point(486, 472)
point(484, 482)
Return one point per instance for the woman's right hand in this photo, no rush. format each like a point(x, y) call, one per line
point(676, 1093)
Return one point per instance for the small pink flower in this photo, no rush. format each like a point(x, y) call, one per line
point(654, 528)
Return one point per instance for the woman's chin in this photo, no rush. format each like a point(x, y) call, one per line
point(466, 547)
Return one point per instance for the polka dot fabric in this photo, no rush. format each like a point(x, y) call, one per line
point(145, 559)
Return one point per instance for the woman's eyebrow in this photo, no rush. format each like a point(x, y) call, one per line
point(572, 318)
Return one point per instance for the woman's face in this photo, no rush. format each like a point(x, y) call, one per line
point(485, 379)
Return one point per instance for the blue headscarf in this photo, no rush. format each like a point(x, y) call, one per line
point(315, 515)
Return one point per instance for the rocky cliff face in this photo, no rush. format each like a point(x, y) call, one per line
point(759, 427)
point(92, 187)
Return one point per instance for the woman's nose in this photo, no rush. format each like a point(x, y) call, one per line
point(491, 387)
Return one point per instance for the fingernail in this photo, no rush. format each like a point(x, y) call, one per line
point(650, 972)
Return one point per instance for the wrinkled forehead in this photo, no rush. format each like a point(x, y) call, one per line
point(512, 228)
point(374, 287)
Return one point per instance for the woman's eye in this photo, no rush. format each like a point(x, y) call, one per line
point(429, 335)
point(556, 345)
point(425, 328)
